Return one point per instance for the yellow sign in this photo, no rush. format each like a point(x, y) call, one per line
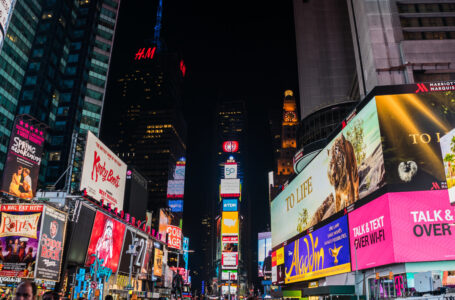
point(158, 263)
point(313, 284)
point(280, 256)
point(230, 222)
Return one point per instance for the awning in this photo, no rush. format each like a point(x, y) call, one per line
point(329, 290)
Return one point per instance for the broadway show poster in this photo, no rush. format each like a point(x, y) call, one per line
point(349, 168)
point(322, 253)
point(106, 241)
point(411, 129)
point(138, 258)
point(20, 230)
point(20, 175)
point(50, 253)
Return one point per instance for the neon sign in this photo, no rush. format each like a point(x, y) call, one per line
point(143, 54)
point(231, 146)
point(182, 68)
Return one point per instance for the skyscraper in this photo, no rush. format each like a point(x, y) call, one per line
point(151, 128)
point(14, 57)
point(64, 74)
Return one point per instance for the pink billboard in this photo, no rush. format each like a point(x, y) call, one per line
point(370, 234)
point(421, 223)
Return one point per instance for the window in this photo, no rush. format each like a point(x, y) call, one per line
point(73, 58)
point(57, 140)
point(34, 66)
point(37, 53)
point(63, 111)
point(27, 95)
point(30, 80)
point(55, 156)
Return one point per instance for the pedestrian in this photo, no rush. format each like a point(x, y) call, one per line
point(26, 290)
point(51, 295)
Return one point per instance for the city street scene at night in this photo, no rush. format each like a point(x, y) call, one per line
point(206, 150)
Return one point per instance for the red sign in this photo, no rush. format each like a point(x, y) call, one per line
point(230, 239)
point(182, 68)
point(231, 146)
point(174, 237)
point(145, 54)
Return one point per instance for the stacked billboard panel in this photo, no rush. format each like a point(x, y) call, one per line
point(379, 193)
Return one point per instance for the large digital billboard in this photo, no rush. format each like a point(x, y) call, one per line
point(448, 157)
point(229, 260)
point(230, 188)
point(322, 253)
point(20, 175)
point(230, 170)
point(50, 252)
point(230, 223)
point(350, 167)
point(264, 254)
point(230, 205)
point(103, 174)
point(138, 257)
point(20, 230)
point(106, 241)
point(6, 10)
point(422, 230)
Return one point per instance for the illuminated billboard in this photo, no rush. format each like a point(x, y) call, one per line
point(230, 223)
point(165, 220)
point(174, 237)
point(422, 231)
point(175, 188)
point(230, 188)
point(230, 170)
point(230, 205)
point(231, 146)
point(264, 254)
point(350, 167)
point(230, 244)
point(176, 205)
point(6, 10)
point(20, 230)
point(138, 257)
point(106, 241)
point(225, 274)
point(103, 174)
point(229, 260)
point(322, 253)
point(20, 175)
point(448, 158)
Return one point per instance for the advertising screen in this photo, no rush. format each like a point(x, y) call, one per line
point(165, 220)
point(147, 265)
point(230, 205)
point(347, 169)
point(138, 257)
point(230, 243)
point(230, 146)
point(106, 241)
point(264, 254)
point(136, 195)
point(448, 157)
point(230, 170)
point(49, 257)
point(6, 9)
point(158, 263)
point(80, 231)
point(226, 273)
point(175, 205)
point(411, 128)
point(174, 237)
point(103, 173)
point(20, 175)
point(20, 230)
point(420, 220)
point(179, 173)
point(229, 260)
point(230, 188)
point(322, 253)
point(175, 188)
point(230, 223)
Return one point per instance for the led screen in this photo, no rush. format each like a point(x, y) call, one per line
point(321, 253)
point(264, 254)
point(230, 205)
point(347, 169)
point(106, 241)
point(230, 223)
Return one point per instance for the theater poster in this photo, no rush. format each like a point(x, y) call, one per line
point(49, 258)
point(106, 242)
point(20, 175)
point(20, 229)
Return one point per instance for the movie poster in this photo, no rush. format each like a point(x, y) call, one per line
point(20, 175)
point(106, 241)
point(20, 230)
point(412, 126)
point(49, 258)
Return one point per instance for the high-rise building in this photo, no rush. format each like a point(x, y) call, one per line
point(399, 42)
point(14, 57)
point(65, 72)
point(326, 66)
point(151, 130)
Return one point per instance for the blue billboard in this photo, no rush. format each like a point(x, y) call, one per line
point(175, 205)
point(230, 205)
point(322, 253)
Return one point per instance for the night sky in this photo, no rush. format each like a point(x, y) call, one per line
point(244, 49)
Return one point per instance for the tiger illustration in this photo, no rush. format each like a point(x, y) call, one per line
point(343, 173)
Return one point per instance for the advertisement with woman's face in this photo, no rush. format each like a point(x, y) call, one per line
point(103, 245)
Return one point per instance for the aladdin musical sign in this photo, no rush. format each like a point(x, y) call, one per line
point(322, 253)
point(103, 173)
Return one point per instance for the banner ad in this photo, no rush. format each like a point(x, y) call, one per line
point(20, 175)
point(322, 253)
point(165, 220)
point(138, 257)
point(20, 230)
point(103, 173)
point(411, 128)
point(105, 242)
point(420, 220)
point(158, 263)
point(230, 205)
point(230, 223)
point(264, 254)
point(174, 237)
point(229, 260)
point(147, 265)
point(349, 168)
point(230, 170)
point(49, 258)
point(448, 157)
point(230, 243)
point(230, 188)
point(225, 275)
